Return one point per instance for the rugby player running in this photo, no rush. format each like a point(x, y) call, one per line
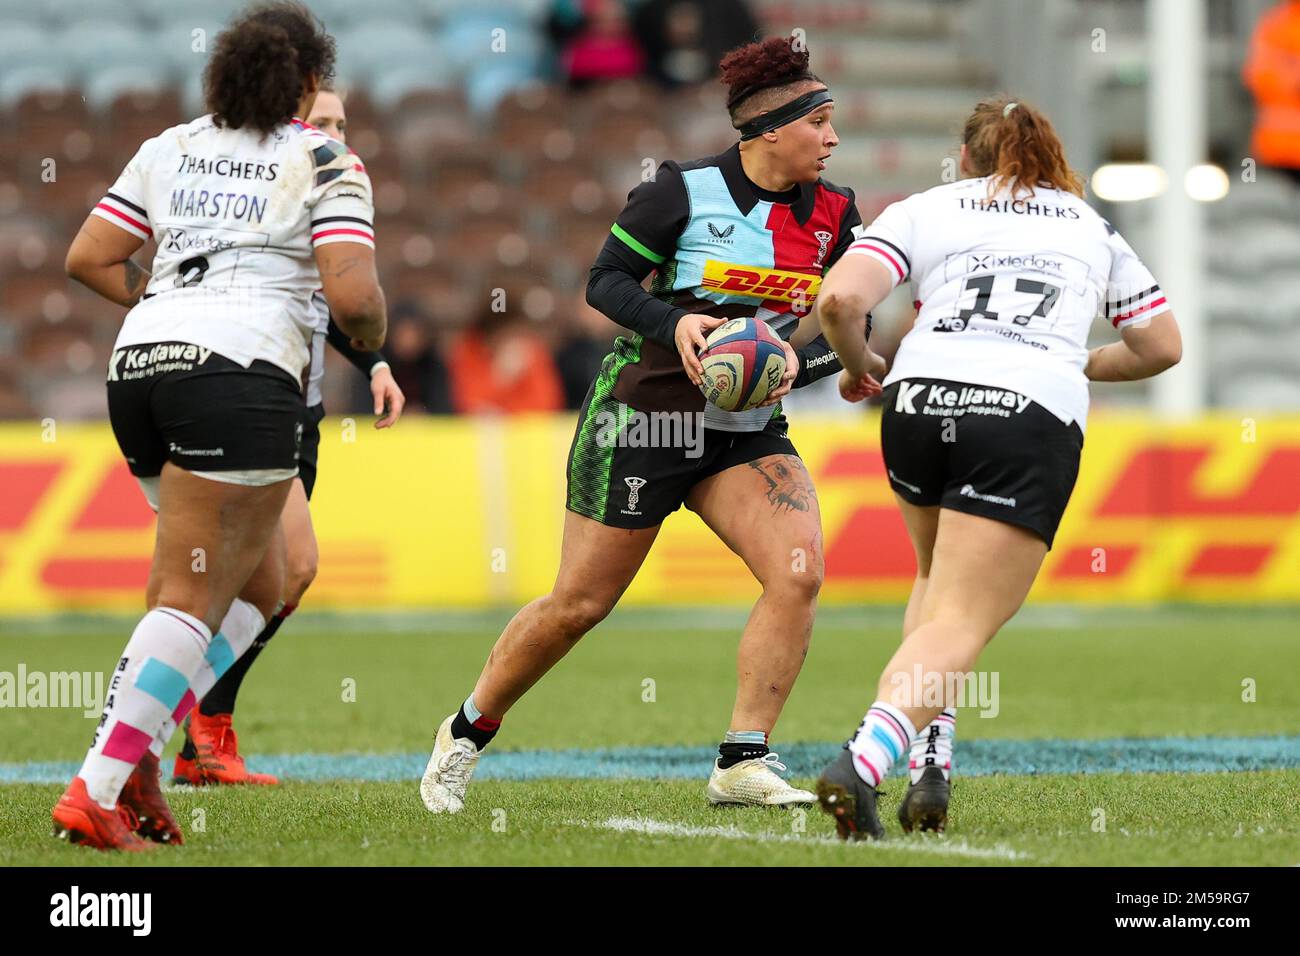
point(204, 392)
point(210, 753)
point(984, 412)
point(760, 207)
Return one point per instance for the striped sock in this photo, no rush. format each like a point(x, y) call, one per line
point(884, 735)
point(221, 698)
point(239, 628)
point(740, 745)
point(932, 747)
point(150, 684)
point(471, 724)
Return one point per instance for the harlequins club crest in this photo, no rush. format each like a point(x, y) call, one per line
point(823, 243)
point(634, 486)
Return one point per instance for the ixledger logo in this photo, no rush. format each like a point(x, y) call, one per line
point(75, 908)
point(986, 262)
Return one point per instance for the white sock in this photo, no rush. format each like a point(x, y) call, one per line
point(150, 682)
point(932, 747)
point(239, 628)
point(884, 735)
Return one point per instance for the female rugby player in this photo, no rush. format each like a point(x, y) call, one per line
point(203, 386)
point(745, 233)
point(210, 754)
point(984, 408)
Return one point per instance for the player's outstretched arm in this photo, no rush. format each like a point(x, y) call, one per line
point(854, 286)
point(388, 398)
point(1147, 349)
point(351, 286)
point(100, 259)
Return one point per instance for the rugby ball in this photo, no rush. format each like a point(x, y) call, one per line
point(743, 361)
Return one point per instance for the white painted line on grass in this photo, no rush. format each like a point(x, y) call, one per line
point(941, 846)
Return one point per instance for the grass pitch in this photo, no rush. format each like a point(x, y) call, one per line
point(645, 679)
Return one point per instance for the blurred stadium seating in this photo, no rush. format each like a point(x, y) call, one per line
point(488, 171)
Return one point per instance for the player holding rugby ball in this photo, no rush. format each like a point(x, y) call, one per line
point(747, 233)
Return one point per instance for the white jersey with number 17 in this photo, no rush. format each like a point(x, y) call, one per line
point(1007, 288)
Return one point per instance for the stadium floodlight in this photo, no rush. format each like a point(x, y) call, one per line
point(1206, 183)
point(1129, 182)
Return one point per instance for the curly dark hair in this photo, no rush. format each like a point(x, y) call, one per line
point(757, 75)
point(261, 62)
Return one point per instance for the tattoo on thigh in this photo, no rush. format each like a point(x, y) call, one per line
point(789, 487)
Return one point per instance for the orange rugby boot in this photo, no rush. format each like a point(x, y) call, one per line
point(142, 795)
point(79, 819)
point(186, 771)
point(216, 751)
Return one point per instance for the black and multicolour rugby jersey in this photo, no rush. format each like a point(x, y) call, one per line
point(719, 245)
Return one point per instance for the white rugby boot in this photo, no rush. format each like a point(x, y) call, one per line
point(754, 783)
point(442, 788)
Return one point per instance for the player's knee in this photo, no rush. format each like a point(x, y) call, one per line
point(966, 632)
point(193, 601)
point(576, 614)
point(264, 589)
point(799, 583)
point(299, 574)
point(808, 584)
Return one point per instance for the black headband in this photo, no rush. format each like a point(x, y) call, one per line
point(788, 113)
point(766, 84)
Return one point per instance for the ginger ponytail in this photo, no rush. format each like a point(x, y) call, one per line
point(1016, 146)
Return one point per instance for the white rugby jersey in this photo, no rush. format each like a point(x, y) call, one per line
point(1007, 289)
point(237, 215)
point(319, 332)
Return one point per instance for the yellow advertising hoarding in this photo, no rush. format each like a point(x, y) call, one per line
point(466, 513)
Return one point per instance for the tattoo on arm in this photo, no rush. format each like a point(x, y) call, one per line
point(789, 486)
point(135, 280)
point(344, 267)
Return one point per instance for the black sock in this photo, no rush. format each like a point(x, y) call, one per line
point(221, 698)
point(732, 754)
point(480, 731)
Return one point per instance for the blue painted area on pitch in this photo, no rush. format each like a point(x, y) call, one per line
point(975, 758)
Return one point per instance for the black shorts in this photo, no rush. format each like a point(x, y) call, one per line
point(635, 472)
point(310, 451)
point(985, 451)
point(201, 411)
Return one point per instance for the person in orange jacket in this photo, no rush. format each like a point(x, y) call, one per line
point(1272, 73)
point(501, 365)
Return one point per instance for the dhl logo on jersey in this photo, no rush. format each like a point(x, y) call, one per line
point(733, 279)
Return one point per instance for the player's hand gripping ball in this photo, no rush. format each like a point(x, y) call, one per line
point(743, 362)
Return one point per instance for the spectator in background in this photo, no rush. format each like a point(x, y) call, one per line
point(415, 363)
point(1272, 73)
point(501, 365)
point(587, 338)
point(685, 39)
point(595, 41)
